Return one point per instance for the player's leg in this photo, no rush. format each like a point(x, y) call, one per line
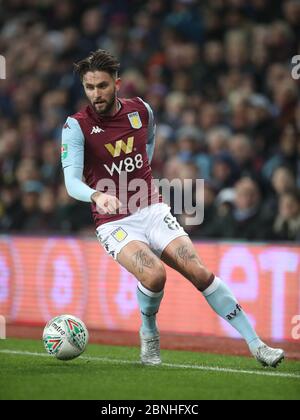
point(126, 241)
point(138, 259)
point(182, 256)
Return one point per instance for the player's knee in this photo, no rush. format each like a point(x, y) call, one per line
point(202, 277)
point(157, 281)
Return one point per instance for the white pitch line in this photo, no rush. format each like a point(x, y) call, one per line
point(170, 365)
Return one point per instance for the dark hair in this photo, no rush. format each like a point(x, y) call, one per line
point(99, 60)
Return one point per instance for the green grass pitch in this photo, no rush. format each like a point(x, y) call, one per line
point(114, 373)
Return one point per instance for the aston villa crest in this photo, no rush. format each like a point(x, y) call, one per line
point(135, 120)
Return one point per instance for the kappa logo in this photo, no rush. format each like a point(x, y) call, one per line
point(109, 251)
point(127, 148)
point(97, 130)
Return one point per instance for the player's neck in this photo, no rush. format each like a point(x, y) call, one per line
point(115, 109)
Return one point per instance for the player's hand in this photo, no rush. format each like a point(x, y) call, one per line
point(106, 203)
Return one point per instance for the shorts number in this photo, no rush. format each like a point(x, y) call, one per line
point(172, 223)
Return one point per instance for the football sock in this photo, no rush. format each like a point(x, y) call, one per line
point(223, 302)
point(149, 303)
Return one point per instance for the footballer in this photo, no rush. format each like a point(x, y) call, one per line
point(113, 139)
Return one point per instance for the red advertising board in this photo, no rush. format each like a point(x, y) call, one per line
point(41, 278)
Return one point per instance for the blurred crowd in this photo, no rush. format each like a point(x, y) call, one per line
point(218, 75)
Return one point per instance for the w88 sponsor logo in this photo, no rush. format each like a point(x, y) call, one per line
point(127, 165)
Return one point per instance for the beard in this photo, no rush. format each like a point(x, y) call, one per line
point(105, 107)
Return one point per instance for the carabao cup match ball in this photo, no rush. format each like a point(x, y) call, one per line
point(65, 337)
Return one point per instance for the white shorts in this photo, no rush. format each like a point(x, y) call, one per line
point(154, 225)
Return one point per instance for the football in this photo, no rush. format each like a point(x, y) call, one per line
point(65, 337)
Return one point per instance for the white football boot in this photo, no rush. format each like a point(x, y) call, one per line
point(269, 357)
point(150, 350)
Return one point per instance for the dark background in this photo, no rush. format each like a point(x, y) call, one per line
point(218, 76)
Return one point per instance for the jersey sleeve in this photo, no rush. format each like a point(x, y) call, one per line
point(72, 157)
point(75, 186)
point(72, 148)
point(151, 132)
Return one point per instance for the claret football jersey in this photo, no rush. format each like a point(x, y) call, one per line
point(112, 151)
